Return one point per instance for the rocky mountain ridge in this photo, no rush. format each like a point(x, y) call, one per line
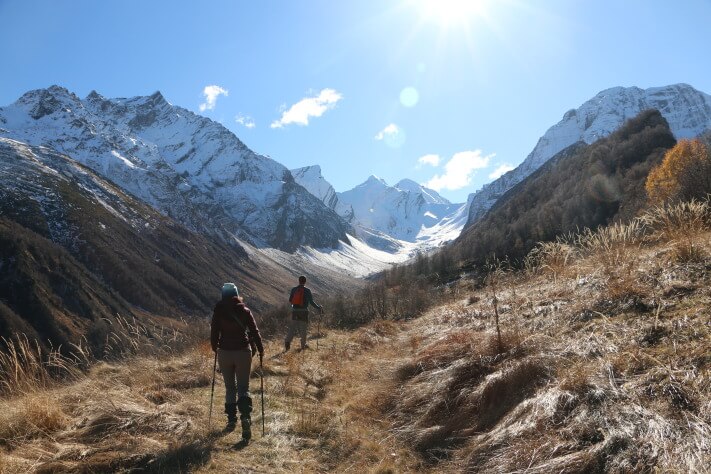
point(185, 165)
point(687, 110)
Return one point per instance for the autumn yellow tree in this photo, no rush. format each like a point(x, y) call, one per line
point(684, 174)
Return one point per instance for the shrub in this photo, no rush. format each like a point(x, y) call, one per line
point(31, 417)
point(684, 174)
point(682, 225)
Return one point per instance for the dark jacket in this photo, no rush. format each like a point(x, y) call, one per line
point(233, 327)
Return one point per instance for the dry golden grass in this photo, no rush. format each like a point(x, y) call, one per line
point(150, 414)
point(609, 371)
point(29, 417)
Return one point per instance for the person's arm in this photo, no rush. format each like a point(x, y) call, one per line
point(214, 331)
point(254, 332)
point(310, 301)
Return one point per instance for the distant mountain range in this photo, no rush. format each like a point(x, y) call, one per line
point(195, 170)
point(403, 218)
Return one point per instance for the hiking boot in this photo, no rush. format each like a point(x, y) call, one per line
point(245, 408)
point(231, 410)
point(246, 428)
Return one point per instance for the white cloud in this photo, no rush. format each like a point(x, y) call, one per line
point(308, 107)
point(389, 130)
point(432, 160)
point(392, 135)
point(211, 94)
point(458, 171)
point(245, 121)
point(500, 171)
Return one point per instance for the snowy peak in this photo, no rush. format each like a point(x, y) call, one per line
point(687, 110)
point(396, 219)
point(373, 182)
point(42, 102)
point(430, 195)
point(310, 178)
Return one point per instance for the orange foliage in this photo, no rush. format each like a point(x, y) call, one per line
point(685, 173)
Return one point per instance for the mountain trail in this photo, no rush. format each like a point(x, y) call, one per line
point(319, 407)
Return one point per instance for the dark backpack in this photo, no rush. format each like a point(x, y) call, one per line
point(298, 296)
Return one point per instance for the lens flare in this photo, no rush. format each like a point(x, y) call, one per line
point(409, 97)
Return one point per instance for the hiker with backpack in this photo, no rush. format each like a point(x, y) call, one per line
point(300, 299)
point(235, 338)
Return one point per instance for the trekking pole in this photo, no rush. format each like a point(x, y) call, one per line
point(261, 377)
point(212, 393)
point(318, 330)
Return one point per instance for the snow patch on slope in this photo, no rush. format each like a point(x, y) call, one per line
point(357, 259)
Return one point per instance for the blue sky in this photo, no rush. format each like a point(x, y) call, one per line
point(440, 91)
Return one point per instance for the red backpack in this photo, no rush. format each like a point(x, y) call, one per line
point(297, 299)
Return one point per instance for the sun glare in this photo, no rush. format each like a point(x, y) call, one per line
point(451, 12)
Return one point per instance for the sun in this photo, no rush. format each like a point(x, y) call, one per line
point(451, 12)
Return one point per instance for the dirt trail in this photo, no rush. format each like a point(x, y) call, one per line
point(320, 409)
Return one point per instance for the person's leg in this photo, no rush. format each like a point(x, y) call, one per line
point(228, 370)
point(290, 332)
point(243, 364)
point(303, 330)
point(244, 402)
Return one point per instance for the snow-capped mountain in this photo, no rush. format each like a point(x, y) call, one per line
point(406, 212)
point(400, 211)
point(398, 219)
point(187, 166)
point(429, 195)
point(687, 110)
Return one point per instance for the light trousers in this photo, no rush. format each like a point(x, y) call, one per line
point(297, 326)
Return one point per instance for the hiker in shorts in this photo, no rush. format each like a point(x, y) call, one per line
point(300, 299)
point(236, 339)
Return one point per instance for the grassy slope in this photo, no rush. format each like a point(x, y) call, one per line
point(604, 368)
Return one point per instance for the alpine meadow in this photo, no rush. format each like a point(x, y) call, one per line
point(360, 236)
